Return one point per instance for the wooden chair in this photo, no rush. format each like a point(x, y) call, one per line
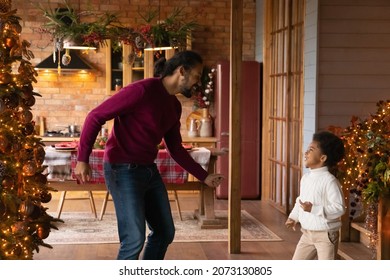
point(108, 198)
point(71, 185)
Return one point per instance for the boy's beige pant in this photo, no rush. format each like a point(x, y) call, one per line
point(321, 245)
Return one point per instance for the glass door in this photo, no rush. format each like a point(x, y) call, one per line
point(283, 92)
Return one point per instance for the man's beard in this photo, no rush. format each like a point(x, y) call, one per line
point(187, 92)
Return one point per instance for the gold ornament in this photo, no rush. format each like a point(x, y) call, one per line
point(26, 208)
point(39, 155)
point(29, 168)
point(9, 42)
point(25, 116)
point(43, 232)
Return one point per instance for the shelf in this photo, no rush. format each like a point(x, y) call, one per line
point(125, 72)
point(149, 60)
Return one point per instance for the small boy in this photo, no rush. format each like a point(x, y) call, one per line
point(320, 204)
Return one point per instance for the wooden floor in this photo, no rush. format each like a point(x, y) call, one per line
point(265, 213)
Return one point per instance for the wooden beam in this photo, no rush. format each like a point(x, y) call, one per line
point(236, 27)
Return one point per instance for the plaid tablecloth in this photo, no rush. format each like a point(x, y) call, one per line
point(170, 171)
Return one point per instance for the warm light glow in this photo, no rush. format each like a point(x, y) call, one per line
point(79, 48)
point(159, 49)
point(71, 46)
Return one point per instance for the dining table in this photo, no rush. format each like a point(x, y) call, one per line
point(61, 164)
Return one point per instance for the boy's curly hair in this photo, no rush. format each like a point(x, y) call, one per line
point(331, 146)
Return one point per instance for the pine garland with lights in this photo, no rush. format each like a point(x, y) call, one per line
point(24, 222)
point(365, 170)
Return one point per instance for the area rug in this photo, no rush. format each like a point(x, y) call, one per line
point(84, 228)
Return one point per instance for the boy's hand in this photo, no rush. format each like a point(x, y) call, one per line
point(290, 223)
point(306, 206)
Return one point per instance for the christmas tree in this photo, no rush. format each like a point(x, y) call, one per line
point(24, 222)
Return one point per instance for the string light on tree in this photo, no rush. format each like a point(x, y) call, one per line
point(366, 166)
point(24, 223)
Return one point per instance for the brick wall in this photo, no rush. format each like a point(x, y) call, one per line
point(68, 98)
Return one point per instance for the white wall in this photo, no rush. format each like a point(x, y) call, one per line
point(353, 59)
point(310, 72)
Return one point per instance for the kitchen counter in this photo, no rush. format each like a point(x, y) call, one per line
point(58, 139)
point(187, 139)
point(48, 141)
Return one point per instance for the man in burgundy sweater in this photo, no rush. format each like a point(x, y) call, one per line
point(144, 112)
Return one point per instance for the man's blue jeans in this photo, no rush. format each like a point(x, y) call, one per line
point(139, 195)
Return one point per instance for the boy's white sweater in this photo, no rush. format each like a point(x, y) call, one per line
point(323, 190)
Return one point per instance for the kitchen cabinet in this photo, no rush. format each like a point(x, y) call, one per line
point(118, 67)
point(151, 56)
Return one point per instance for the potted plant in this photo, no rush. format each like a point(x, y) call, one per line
point(65, 24)
point(173, 31)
